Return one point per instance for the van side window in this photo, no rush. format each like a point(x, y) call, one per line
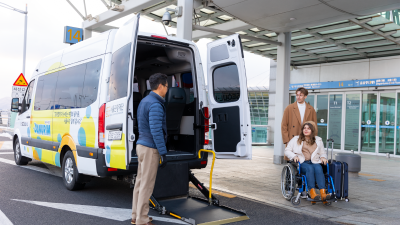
point(28, 95)
point(91, 84)
point(45, 92)
point(226, 84)
point(118, 84)
point(69, 87)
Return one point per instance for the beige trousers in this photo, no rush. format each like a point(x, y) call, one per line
point(149, 160)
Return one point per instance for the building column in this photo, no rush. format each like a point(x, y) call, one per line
point(282, 83)
point(184, 22)
point(87, 33)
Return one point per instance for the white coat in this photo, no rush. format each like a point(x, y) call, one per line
point(293, 149)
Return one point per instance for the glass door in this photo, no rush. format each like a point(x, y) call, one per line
point(322, 116)
point(387, 105)
point(352, 122)
point(368, 122)
point(335, 119)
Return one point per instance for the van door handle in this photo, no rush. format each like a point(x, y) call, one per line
point(117, 126)
point(28, 116)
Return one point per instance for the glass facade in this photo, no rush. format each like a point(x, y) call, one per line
point(366, 122)
point(393, 15)
point(259, 116)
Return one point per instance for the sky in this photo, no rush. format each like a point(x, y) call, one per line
point(46, 21)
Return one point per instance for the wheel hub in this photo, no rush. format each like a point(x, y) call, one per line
point(69, 170)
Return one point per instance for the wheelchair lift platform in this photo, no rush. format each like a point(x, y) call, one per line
point(198, 211)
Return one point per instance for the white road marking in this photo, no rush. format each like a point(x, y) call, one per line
point(35, 168)
point(6, 153)
point(4, 220)
point(6, 145)
point(118, 214)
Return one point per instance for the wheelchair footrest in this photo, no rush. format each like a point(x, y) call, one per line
point(328, 200)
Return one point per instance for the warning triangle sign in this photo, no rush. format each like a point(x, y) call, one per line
point(21, 81)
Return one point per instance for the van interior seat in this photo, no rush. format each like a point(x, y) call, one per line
point(146, 93)
point(175, 105)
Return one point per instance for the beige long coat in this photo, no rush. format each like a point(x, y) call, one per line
point(291, 121)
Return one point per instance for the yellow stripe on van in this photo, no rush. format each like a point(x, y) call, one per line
point(118, 153)
point(48, 156)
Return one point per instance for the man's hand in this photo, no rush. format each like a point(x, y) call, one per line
point(324, 161)
point(163, 161)
point(296, 159)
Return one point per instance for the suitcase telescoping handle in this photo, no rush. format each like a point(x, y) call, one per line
point(327, 147)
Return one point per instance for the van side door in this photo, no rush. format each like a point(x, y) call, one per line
point(227, 98)
point(118, 109)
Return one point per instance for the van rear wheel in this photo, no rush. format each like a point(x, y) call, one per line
point(70, 173)
point(19, 159)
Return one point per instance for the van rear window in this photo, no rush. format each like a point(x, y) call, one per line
point(118, 84)
point(226, 84)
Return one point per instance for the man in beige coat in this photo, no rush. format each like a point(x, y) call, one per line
point(295, 114)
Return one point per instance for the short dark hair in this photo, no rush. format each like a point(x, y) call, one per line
point(157, 79)
point(302, 90)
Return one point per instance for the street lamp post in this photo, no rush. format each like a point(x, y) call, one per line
point(25, 31)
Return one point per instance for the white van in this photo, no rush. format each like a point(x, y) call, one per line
point(79, 110)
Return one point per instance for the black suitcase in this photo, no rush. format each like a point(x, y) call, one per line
point(345, 182)
point(339, 172)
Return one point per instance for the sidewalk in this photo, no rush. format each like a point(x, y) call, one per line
point(372, 192)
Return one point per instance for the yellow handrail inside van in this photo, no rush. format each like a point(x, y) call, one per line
point(212, 167)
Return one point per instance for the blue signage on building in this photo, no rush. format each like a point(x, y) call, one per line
point(348, 84)
point(73, 35)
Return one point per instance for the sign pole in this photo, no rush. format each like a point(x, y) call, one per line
point(25, 31)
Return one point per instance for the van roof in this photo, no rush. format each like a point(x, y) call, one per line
point(56, 56)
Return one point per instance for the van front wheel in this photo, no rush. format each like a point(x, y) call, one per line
point(19, 159)
point(70, 173)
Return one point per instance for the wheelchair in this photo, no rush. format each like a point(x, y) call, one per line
point(292, 181)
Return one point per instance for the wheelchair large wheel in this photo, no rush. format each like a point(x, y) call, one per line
point(288, 181)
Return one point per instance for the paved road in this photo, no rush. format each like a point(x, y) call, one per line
point(36, 195)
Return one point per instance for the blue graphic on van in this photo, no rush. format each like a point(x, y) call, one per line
point(28, 132)
point(59, 138)
point(88, 112)
point(42, 129)
point(57, 159)
point(82, 137)
point(108, 154)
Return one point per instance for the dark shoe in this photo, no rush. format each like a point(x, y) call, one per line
point(324, 194)
point(134, 221)
point(313, 203)
point(314, 195)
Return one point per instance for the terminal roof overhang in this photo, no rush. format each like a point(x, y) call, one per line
point(322, 30)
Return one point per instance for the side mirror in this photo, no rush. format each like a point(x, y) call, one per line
point(23, 106)
point(14, 104)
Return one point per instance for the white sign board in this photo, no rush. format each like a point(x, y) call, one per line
point(18, 92)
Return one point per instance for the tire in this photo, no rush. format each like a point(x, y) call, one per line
point(19, 159)
point(288, 181)
point(293, 200)
point(70, 173)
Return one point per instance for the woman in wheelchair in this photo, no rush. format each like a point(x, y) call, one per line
point(309, 150)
